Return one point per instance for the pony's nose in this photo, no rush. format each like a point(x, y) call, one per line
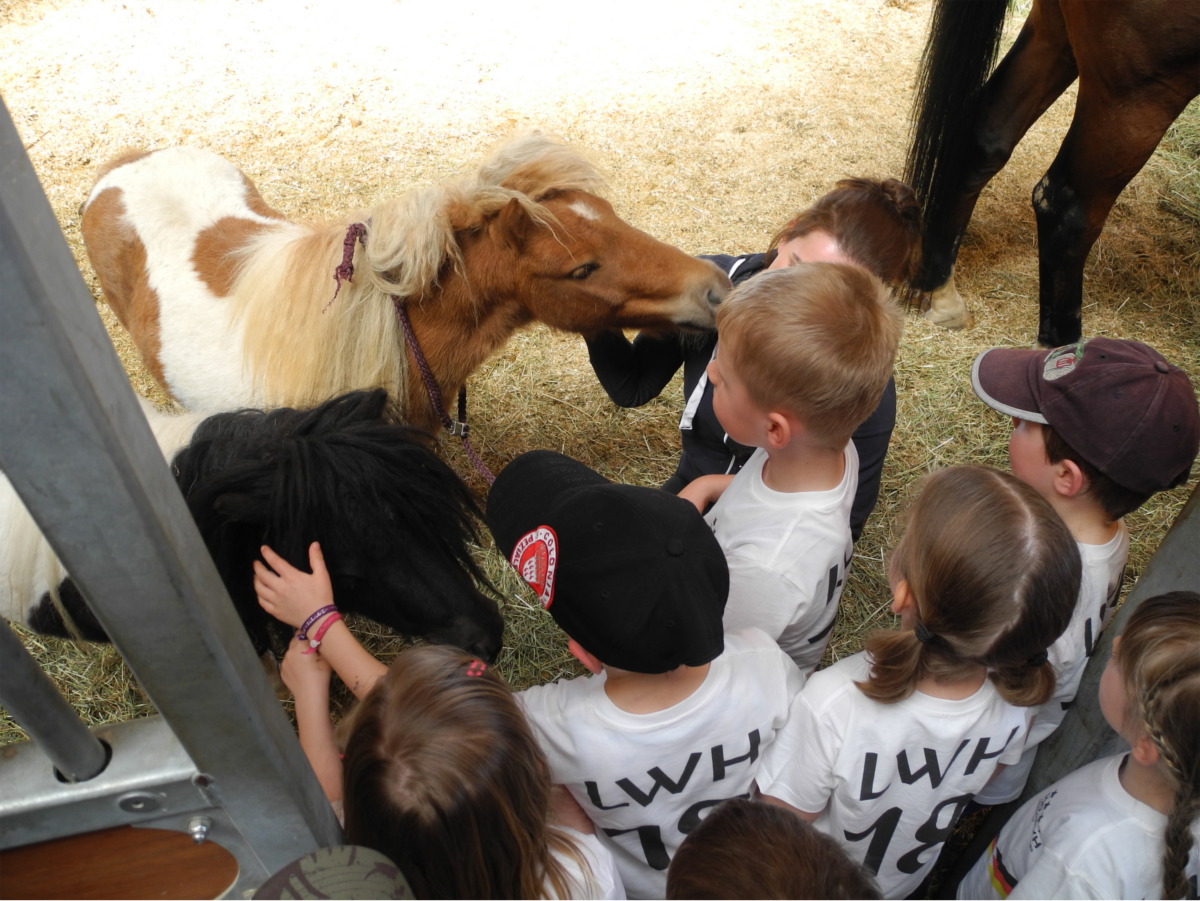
point(715, 297)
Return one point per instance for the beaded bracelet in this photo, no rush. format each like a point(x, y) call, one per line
point(311, 621)
point(315, 641)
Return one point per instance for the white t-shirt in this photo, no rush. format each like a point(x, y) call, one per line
point(1099, 590)
point(889, 780)
point(1084, 837)
point(787, 555)
point(600, 880)
point(646, 780)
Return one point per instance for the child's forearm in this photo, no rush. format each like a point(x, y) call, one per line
point(318, 743)
point(353, 663)
point(704, 491)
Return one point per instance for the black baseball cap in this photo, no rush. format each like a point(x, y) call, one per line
point(633, 574)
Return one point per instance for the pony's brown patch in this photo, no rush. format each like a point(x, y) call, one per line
point(119, 258)
point(122, 159)
point(212, 257)
point(256, 203)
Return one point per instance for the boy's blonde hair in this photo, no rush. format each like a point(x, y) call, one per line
point(816, 340)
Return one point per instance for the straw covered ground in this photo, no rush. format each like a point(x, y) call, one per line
point(713, 127)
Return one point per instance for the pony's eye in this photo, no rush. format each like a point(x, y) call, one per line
point(583, 271)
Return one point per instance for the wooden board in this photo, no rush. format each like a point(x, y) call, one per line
point(125, 862)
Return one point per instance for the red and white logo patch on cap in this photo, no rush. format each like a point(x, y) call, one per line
point(1062, 361)
point(535, 558)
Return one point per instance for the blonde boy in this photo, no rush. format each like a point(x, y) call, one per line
point(1098, 427)
point(803, 357)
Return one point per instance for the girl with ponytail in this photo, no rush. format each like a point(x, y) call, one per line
point(884, 749)
point(1123, 826)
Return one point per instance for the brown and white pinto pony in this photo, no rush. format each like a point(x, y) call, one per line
point(230, 304)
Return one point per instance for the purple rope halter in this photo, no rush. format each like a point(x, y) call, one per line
point(457, 427)
point(357, 232)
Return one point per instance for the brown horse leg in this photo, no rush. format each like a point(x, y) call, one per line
point(1032, 75)
point(1109, 141)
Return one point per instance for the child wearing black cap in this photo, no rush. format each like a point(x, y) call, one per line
point(676, 714)
point(1098, 427)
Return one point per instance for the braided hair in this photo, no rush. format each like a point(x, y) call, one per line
point(1159, 661)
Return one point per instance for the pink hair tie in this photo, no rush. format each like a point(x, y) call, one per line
point(476, 668)
point(315, 641)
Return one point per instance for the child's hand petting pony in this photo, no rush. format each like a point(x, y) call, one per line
point(290, 594)
point(305, 602)
point(307, 675)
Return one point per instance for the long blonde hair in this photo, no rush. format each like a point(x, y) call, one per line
point(1159, 661)
point(444, 776)
point(995, 575)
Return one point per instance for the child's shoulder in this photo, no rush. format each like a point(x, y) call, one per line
point(554, 698)
point(835, 682)
point(751, 650)
point(1088, 810)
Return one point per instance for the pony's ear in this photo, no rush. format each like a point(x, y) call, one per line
point(511, 226)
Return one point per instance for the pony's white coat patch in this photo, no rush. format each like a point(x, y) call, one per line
point(584, 211)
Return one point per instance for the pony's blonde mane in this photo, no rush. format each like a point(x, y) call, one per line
point(302, 346)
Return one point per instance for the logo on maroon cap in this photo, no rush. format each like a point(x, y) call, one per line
point(535, 558)
point(1062, 361)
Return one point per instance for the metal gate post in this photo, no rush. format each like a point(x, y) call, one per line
point(80, 454)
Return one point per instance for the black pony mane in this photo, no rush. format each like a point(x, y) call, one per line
point(347, 475)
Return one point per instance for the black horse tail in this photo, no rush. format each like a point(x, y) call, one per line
point(964, 40)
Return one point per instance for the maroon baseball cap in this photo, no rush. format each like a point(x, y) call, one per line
point(635, 575)
point(1118, 403)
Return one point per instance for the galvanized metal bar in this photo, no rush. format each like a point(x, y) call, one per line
point(34, 702)
point(80, 454)
point(150, 782)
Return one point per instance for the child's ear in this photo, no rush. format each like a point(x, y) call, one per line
point(1145, 751)
point(1069, 480)
point(590, 662)
point(780, 429)
point(902, 598)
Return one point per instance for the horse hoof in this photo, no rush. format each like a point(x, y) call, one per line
point(952, 320)
point(945, 307)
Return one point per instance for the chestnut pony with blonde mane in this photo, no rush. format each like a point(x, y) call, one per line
point(231, 305)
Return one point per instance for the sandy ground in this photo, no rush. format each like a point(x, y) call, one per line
point(714, 123)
